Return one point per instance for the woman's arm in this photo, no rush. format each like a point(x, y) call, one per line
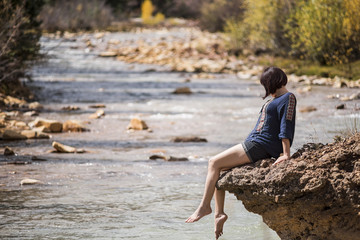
point(286, 151)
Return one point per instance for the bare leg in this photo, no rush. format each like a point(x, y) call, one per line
point(232, 157)
point(220, 216)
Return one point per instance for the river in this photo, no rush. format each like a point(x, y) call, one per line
point(114, 191)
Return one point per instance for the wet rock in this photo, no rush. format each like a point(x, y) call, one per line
point(339, 83)
point(108, 54)
point(168, 158)
point(355, 96)
point(31, 114)
point(14, 102)
point(137, 124)
point(156, 156)
point(74, 126)
point(13, 135)
point(29, 181)
point(182, 90)
point(61, 148)
point(188, 139)
point(8, 151)
point(35, 106)
point(97, 106)
point(340, 106)
point(308, 109)
point(304, 89)
point(51, 125)
point(315, 195)
point(38, 159)
point(32, 134)
point(98, 114)
point(70, 108)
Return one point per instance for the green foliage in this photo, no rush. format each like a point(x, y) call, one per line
point(318, 30)
point(214, 15)
point(262, 27)
point(19, 36)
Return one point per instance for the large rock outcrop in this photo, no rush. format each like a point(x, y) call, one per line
point(315, 195)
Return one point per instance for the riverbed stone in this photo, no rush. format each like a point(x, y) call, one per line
point(74, 126)
point(137, 124)
point(99, 105)
point(188, 139)
point(8, 151)
point(31, 114)
point(108, 54)
point(168, 158)
point(70, 108)
point(308, 109)
point(30, 181)
point(10, 134)
point(182, 90)
point(35, 106)
point(32, 134)
point(52, 125)
point(98, 114)
point(61, 148)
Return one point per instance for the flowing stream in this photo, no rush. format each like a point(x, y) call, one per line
point(114, 191)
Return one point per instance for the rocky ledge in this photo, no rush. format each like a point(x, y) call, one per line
point(315, 195)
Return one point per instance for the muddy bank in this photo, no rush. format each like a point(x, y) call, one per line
point(315, 195)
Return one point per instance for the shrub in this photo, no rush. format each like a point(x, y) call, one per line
point(326, 30)
point(19, 36)
point(262, 27)
point(215, 14)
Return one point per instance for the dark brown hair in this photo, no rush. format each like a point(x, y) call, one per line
point(272, 79)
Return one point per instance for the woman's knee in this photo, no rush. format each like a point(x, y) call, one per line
point(213, 163)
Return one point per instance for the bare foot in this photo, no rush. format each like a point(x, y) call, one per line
point(199, 213)
point(220, 219)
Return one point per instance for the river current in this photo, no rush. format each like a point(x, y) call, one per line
point(114, 191)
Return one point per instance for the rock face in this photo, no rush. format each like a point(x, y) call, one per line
point(315, 195)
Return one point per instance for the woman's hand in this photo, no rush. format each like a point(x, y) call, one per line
point(281, 159)
point(286, 151)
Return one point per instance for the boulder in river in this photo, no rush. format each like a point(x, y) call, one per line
point(314, 195)
point(51, 125)
point(61, 148)
point(74, 126)
point(137, 124)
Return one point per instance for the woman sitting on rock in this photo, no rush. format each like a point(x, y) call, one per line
point(272, 137)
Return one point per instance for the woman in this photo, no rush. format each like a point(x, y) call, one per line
point(272, 137)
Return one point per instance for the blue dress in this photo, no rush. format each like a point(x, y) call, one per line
point(276, 121)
